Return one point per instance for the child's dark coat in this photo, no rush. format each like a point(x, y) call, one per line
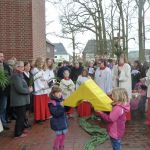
point(59, 119)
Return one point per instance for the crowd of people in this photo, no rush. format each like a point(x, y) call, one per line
point(40, 87)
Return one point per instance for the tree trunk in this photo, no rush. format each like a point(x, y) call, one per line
point(112, 32)
point(127, 33)
point(144, 38)
point(123, 29)
point(100, 25)
point(73, 44)
point(140, 31)
point(103, 28)
point(119, 4)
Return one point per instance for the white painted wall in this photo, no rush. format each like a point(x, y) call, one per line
point(60, 58)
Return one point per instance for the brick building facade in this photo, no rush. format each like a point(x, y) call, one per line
point(22, 29)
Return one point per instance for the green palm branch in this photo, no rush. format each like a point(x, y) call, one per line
point(4, 79)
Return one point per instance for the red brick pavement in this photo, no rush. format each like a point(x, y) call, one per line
point(41, 136)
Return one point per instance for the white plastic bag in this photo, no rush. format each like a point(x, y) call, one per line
point(1, 126)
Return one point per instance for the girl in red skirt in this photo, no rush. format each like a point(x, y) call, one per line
point(41, 111)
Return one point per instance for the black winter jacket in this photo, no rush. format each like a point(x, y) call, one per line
point(59, 119)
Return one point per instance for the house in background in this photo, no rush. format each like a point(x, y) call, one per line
point(89, 51)
point(60, 53)
point(134, 55)
point(49, 49)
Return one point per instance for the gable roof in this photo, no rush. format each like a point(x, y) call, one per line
point(60, 49)
point(47, 41)
point(90, 47)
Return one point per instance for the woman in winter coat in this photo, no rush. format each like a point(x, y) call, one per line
point(19, 97)
point(121, 76)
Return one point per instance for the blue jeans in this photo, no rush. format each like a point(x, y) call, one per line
point(116, 144)
point(3, 106)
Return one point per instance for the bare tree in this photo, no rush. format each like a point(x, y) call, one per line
point(120, 7)
point(89, 15)
point(129, 10)
point(141, 28)
point(69, 31)
point(112, 20)
point(113, 10)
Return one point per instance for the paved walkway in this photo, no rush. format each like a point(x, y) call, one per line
point(40, 138)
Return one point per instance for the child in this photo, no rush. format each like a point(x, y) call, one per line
point(117, 118)
point(134, 104)
point(58, 122)
point(91, 69)
point(67, 85)
point(142, 102)
point(82, 78)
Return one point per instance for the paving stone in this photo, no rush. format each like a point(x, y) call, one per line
point(41, 137)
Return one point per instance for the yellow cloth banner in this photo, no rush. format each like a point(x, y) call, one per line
point(90, 91)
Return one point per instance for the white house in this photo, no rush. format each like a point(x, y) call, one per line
point(60, 53)
point(134, 55)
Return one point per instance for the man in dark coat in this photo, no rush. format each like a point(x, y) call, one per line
point(60, 73)
point(76, 71)
point(4, 93)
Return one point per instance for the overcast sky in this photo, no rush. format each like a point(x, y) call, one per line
point(55, 27)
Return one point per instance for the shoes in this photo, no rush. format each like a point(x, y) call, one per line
point(70, 116)
point(25, 131)
point(26, 124)
point(6, 127)
point(54, 148)
point(8, 121)
point(21, 136)
point(39, 122)
point(61, 148)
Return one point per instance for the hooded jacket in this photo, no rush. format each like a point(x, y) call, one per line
point(59, 119)
point(116, 120)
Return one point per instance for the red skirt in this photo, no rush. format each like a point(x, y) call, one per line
point(71, 111)
point(148, 113)
point(128, 116)
point(84, 109)
point(41, 110)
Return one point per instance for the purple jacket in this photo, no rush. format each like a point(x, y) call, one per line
point(116, 120)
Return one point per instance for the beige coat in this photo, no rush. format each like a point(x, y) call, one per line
point(124, 78)
point(67, 87)
point(148, 82)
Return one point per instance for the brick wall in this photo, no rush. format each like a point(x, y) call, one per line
point(18, 32)
point(38, 26)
